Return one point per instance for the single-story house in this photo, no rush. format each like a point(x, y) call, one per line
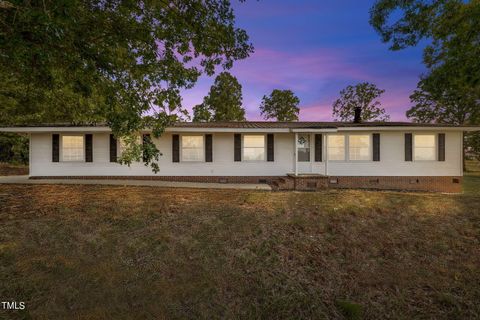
point(287, 155)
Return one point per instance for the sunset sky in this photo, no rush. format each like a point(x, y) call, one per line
point(316, 48)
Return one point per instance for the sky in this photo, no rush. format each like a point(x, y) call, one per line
point(316, 48)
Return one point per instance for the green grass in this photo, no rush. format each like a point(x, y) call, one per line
point(471, 183)
point(105, 252)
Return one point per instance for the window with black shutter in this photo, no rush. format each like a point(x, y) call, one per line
point(441, 147)
point(376, 147)
point(318, 147)
point(175, 148)
point(88, 148)
point(408, 147)
point(55, 147)
point(270, 147)
point(146, 140)
point(237, 141)
point(208, 148)
point(113, 148)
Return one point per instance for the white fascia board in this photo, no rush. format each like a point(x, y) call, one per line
point(107, 129)
point(300, 130)
point(236, 130)
point(407, 129)
point(54, 129)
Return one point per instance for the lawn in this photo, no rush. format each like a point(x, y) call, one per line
point(112, 252)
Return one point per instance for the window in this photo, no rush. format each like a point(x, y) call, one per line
point(359, 147)
point(303, 147)
point(192, 148)
point(73, 148)
point(336, 147)
point(425, 147)
point(253, 148)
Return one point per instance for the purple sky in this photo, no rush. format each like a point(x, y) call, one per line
point(316, 48)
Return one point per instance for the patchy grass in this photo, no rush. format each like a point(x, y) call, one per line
point(473, 166)
point(8, 169)
point(471, 183)
point(103, 252)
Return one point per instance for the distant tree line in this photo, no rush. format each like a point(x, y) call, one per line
point(224, 103)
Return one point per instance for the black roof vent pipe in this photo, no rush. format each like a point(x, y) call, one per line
point(358, 115)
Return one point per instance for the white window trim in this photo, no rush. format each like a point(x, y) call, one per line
point(264, 147)
point(370, 147)
point(61, 147)
point(435, 137)
point(203, 148)
point(345, 151)
point(346, 155)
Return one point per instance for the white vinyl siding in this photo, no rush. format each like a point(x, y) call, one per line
point(392, 161)
point(359, 147)
point(192, 148)
point(425, 147)
point(254, 147)
point(336, 147)
point(73, 148)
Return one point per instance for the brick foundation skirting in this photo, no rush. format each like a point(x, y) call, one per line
point(433, 184)
point(416, 183)
point(208, 179)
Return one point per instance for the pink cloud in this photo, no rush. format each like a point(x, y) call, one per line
point(297, 69)
point(316, 76)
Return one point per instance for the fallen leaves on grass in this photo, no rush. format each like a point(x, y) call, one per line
point(143, 252)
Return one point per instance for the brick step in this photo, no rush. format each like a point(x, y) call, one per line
point(282, 183)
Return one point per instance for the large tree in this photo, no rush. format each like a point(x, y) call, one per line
point(86, 61)
point(281, 105)
point(451, 28)
point(362, 95)
point(437, 104)
point(223, 102)
point(449, 92)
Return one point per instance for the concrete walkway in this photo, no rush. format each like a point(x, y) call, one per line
point(151, 183)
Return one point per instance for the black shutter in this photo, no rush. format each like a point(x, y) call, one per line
point(146, 139)
point(237, 141)
point(55, 147)
point(88, 148)
point(175, 148)
point(208, 148)
point(270, 147)
point(376, 147)
point(113, 148)
point(441, 147)
point(318, 148)
point(408, 147)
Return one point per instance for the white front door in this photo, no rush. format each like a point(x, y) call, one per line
point(304, 155)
